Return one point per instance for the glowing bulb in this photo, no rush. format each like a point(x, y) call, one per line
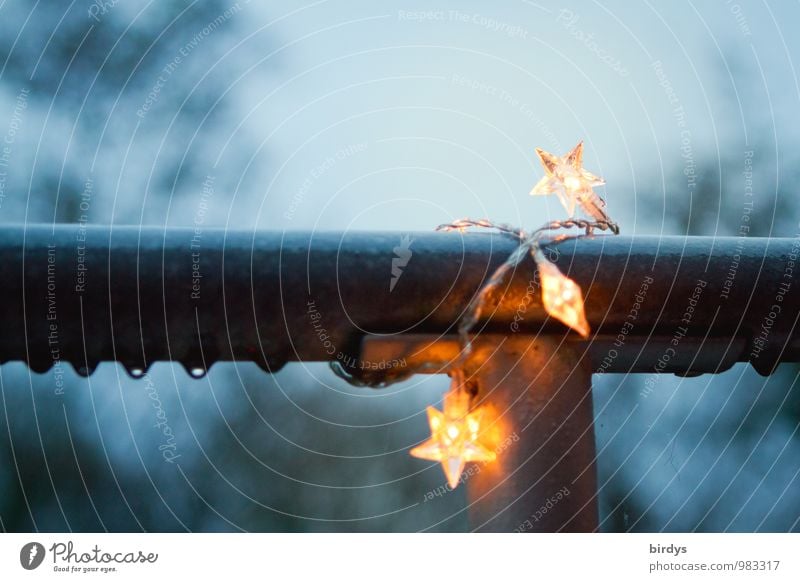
point(454, 435)
point(562, 297)
point(572, 183)
point(565, 177)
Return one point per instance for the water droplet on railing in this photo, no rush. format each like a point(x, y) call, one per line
point(136, 372)
point(197, 372)
point(85, 371)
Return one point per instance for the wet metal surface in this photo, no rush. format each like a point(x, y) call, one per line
point(139, 295)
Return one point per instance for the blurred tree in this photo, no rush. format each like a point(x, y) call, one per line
point(104, 76)
point(89, 69)
point(751, 178)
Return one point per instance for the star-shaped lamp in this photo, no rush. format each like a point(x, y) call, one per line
point(454, 436)
point(566, 178)
point(561, 296)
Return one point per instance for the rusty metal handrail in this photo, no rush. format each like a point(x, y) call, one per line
point(138, 295)
point(393, 301)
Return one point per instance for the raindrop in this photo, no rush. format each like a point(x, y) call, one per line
point(197, 372)
point(85, 371)
point(137, 372)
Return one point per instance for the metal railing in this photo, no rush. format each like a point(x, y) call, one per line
point(683, 305)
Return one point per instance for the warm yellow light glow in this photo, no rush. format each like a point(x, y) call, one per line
point(562, 297)
point(454, 436)
point(572, 183)
point(565, 177)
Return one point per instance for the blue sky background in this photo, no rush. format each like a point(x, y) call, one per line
point(339, 115)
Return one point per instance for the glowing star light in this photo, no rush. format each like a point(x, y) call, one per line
point(566, 178)
point(454, 436)
point(561, 296)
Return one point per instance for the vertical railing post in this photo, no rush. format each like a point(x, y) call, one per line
point(537, 393)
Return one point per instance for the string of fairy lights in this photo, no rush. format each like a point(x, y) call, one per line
point(456, 429)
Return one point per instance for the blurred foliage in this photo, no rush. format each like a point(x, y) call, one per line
point(253, 456)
